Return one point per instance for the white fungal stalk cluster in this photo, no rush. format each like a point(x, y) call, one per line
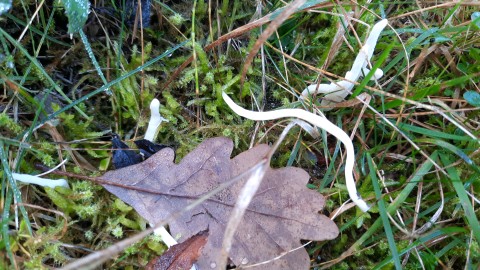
point(337, 91)
point(318, 121)
point(334, 92)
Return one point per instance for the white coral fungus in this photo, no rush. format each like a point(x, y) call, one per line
point(336, 92)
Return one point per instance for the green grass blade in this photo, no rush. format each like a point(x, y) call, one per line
point(383, 57)
point(13, 185)
point(328, 178)
point(294, 153)
point(88, 48)
point(457, 151)
point(12, 192)
point(35, 30)
point(40, 68)
point(77, 14)
point(432, 133)
point(5, 234)
point(412, 183)
point(21, 90)
point(434, 89)
point(463, 197)
point(37, 51)
point(26, 137)
point(455, 243)
point(449, 231)
point(308, 4)
point(426, 34)
point(383, 214)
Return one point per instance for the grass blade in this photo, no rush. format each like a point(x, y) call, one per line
point(412, 183)
point(88, 48)
point(383, 213)
point(463, 197)
point(450, 231)
point(40, 68)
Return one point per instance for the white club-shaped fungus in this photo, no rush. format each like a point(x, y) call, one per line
point(336, 92)
point(155, 120)
point(32, 179)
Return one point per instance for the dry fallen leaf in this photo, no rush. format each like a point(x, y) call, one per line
point(180, 256)
point(282, 212)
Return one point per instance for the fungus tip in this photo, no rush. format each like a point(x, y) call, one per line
point(155, 120)
point(155, 106)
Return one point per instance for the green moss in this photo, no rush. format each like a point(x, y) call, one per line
point(7, 124)
point(171, 102)
point(177, 19)
point(117, 231)
point(60, 200)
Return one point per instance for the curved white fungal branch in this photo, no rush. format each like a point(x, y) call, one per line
point(337, 91)
point(32, 179)
point(318, 121)
point(334, 92)
point(155, 120)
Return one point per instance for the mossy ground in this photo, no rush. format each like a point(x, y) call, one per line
point(434, 60)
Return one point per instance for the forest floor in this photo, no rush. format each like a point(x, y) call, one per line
point(73, 76)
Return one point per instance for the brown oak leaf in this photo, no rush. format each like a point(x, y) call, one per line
point(180, 256)
point(282, 212)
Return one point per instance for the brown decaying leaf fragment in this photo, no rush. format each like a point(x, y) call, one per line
point(180, 256)
point(282, 212)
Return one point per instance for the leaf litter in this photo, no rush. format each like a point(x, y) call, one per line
point(282, 212)
point(180, 256)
